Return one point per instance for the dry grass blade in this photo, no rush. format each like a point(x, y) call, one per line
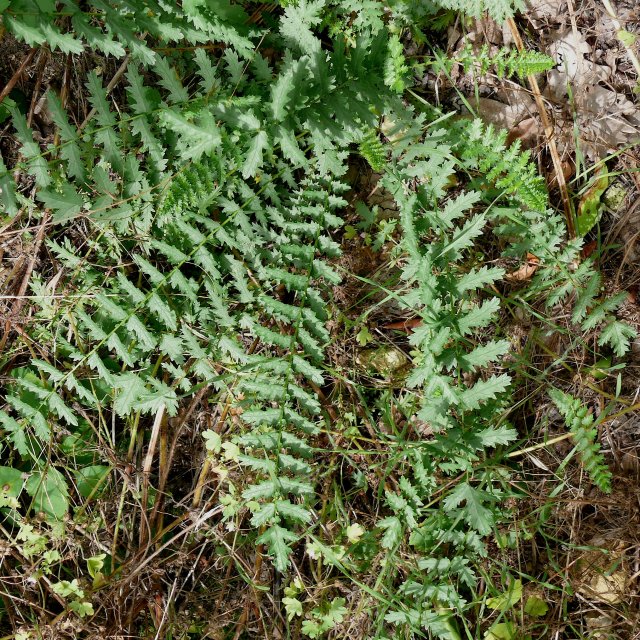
point(145, 524)
point(549, 135)
point(20, 298)
point(8, 88)
point(112, 83)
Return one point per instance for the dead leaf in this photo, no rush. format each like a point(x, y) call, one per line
point(606, 120)
point(605, 133)
point(597, 99)
point(404, 325)
point(527, 131)
point(544, 9)
point(600, 625)
point(588, 249)
point(387, 361)
point(526, 270)
point(601, 573)
point(499, 114)
point(569, 49)
point(609, 120)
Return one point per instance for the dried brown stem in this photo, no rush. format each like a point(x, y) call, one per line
point(549, 135)
point(112, 83)
point(145, 532)
point(8, 88)
point(20, 297)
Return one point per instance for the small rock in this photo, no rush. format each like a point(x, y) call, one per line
point(386, 361)
point(615, 195)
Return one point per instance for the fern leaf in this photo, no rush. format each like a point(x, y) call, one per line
point(484, 390)
point(254, 159)
point(209, 79)
point(65, 42)
point(7, 191)
point(297, 21)
point(499, 10)
point(95, 38)
point(618, 336)
point(168, 78)
point(395, 70)
point(463, 238)
point(580, 422)
point(69, 150)
point(282, 91)
point(36, 164)
point(196, 138)
point(484, 354)
point(66, 204)
point(372, 150)
point(31, 34)
point(506, 62)
point(474, 511)
point(277, 540)
point(478, 317)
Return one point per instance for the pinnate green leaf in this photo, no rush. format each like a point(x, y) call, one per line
point(277, 540)
point(197, 138)
point(474, 512)
point(254, 159)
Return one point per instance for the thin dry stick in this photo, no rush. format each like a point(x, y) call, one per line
point(16, 76)
point(20, 298)
point(540, 445)
point(198, 522)
point(42, 62)
point(618, 27)
point(549, 135)
point(112, 83)
point(165, 465)
point(64, 93)
point(206, 467)
point(164, 471)
point(146, 473)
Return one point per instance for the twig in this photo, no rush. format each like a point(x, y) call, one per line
point(20, 298)
point(164, 472)
point(206, 467)
point(64, 93)
point(112, 83)
point(540, 445)
point(198, 522)
point(8, 88)
point(146, 473)
point(549, 135)
point(36, 90)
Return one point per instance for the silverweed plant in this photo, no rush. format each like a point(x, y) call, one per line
point(174, 394)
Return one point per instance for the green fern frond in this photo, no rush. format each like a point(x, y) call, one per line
point(499, 10)
point(192, 189)
point(396, 69)
point(581, 425)
point(196, 219)
point(373, 150)
point(505, 63)
point(483, 149)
